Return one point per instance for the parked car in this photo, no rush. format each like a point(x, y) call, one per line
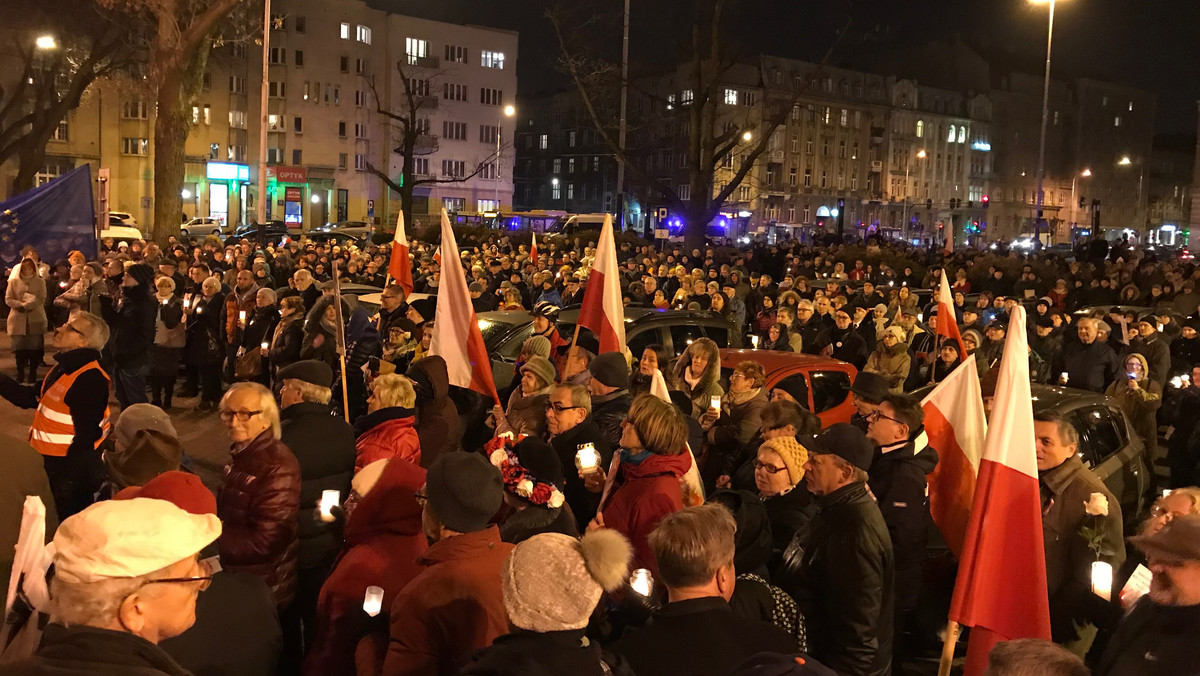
point(273, 230)
point(1107, 443)
point(827, 381)
point(338, 237)
point(201, 225)
point(122, 218)
point(358, 229)
point(121, 233)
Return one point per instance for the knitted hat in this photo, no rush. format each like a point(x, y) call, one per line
point(183, 489)
point(793, 454)
point(536, 345)
point(464, 491)
point(610, 369)
point(552, 582)
point(426, 307)
point(540, 367)
point(141, 273)
point(897, 333)
point(795, 386)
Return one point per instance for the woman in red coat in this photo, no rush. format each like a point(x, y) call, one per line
point(388, 429)
point(647, 485)
point(383, 542)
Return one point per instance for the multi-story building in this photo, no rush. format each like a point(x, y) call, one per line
point(562, 162)
point(1168, 189)
point(332, 66)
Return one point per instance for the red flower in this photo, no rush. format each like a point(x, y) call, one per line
point(541, 494)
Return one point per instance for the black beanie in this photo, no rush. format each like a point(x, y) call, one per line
point(464, 491)
point(142, 274)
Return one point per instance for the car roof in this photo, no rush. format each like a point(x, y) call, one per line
point(633, 314)
point(772, 360)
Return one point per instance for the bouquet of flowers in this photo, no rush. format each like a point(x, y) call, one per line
point(517, 480)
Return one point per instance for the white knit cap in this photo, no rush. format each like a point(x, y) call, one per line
point(552, 582)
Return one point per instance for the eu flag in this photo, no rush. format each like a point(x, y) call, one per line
point(55, 218)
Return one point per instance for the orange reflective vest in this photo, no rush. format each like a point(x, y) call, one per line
point(53, 430)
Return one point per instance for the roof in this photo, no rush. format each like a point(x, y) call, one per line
point(772, 361)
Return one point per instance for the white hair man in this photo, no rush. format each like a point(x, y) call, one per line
point(71, 419)
point(260, 501)
point(126, 578)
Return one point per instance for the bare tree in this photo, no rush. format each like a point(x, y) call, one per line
point(181, 35)
point(410, 122)
point(714, 137)
point(42, 85)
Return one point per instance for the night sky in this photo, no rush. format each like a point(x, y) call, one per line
point(1150, 44)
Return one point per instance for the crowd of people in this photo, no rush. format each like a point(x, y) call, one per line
point(613, 513)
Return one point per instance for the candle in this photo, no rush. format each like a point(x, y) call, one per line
point(641, 581)
point(165, 300)
point(373, 601)
point(242, 317)
point(587, 459)
point(715, 402)
point(1102, 577)
point(754, 341)
point(329, 499)
point(63, 285)
point(264, 345)
point(1064, 377)
point(187, 302)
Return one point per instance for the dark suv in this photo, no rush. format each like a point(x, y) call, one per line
point(504, 332)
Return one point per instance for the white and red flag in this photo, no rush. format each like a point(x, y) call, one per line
point(956, 426)
point(533, 254)
point(947, 324)
point(400, 265)
point(456, 335)
point(437, 255)
point(602, 310)
point(1001, 587)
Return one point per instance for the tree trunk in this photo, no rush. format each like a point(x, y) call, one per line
point(176, 92)
point(29, 160)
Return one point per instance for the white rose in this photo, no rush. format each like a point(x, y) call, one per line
point(524, 488)
point(556, 499)
point(498, 456)
point(1097, 505)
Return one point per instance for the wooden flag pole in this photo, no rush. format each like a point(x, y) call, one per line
point(340, 338)
point(947, 660)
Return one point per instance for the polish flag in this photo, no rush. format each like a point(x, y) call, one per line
point(456, 335)
point(437, 255)
point(602, 311)
point(1001, 587)
point(947, 324)
point(400, 265)
point(956, 427)
point(533, 254)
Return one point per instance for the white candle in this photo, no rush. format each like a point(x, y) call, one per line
point(264, 345)
point(754, 341)
point(165, 301)
point(641, 581)
point(1102, 578)
point(373, 601)
point(587, 459)
point(1064, 377)
point(715, 403)
point(187, 302)
point(329, 499)
point(242, 317)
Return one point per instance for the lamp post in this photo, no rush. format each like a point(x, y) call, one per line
point(1041, 168)
point(904, 225)
point(1126, 162)
point(508, 111)
point(261, 205)
point(622, 124)
point(1086, 173)
point(554, 184)
point(45, 43)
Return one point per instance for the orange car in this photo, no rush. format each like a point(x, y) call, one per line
point(828, 380)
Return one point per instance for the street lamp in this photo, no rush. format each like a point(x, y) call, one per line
point(1086, 173)
point(45, 42)
point(1041, 170)
point(747, 136)
point(1126, 161)
point(904, 229)
point(509, 111)
point(315, 199)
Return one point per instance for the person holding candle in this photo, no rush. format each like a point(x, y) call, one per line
point(170, 335)
point(259, 329)
point(572, 429)
point(1067, 487)
point(131, 317)
point(698, 374)
point(203, 347)
point(237, 311)
point(286, 340)
point(696, 632)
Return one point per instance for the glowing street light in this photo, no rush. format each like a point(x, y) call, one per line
point(921, 153)
point(185, 194)
point(1086, 173)
point(1125, 161)
point(315, 199)
point(46, 42)
point(747, 136)
point(554, 181)
point(509, 111)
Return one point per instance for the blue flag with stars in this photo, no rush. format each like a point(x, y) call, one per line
point(55, 218)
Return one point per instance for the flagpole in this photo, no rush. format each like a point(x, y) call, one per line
point(341, 338)
point(947, 660)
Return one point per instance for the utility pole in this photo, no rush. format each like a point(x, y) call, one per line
point(261, 211)
point(1041, 168)
point(621, 129)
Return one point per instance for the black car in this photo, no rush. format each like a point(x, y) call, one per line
point(504, 333)
point(272, 230)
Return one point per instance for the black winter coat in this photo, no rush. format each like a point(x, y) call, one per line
point(1088, 367)
point(286, 343)
point(527, 653)
point(608, 411)
point(68, 651)
point(205, 344)
point(324, 446)
point(842, 577)
point(1157, 354)
point(236, 631)
point(582, 502)
point(438, 425)
point(1154, 640)
point(131, 320)
point(899, 484)
point(790, 514)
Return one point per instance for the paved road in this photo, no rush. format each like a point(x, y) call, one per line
point(203, 437)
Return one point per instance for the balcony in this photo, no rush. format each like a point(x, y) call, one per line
point(777, 156)
point(421, 61)
point(876, 166)
point(425, 102)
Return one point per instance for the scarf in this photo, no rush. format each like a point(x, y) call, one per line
point(687, 377)
point(631, 458)
point(739, 398)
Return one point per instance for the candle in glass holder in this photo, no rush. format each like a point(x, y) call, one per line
point(754, 341)
point(715, 402)
point(241, 317)
point(1102, 578)
point(187, 302)
point(587, 459)
point(641, 581)
point(329, 499)
point(264, 345)
point(373, 601)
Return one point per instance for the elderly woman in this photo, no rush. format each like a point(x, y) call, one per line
point(27, 323)
point(647, 485)
point(526, 413)
point(891, 359)
point(204, 345)
point(259, 332)
point(288, 335)
point(732, 426)
point(170, 336)
point(388, 429)
point(1140, 397)
point(533, 489)
point(698, 375)
point(778, 338)
point(778, 476)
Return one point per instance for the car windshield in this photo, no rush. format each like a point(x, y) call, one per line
point(493, 329)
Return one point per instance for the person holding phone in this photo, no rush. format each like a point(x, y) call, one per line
point(1140, 397)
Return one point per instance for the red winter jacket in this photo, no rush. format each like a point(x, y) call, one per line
point(387, 433)
point(642, 495)
point(383, 542)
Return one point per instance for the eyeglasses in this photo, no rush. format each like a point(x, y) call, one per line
point(875, 415)
point(205, 580)
point(70, 327)
point(242, 416)
point(421, 498)
point(769, 469)
point(1159, 511)
point(559, 408)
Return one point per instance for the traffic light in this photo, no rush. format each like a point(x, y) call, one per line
point(985, 201)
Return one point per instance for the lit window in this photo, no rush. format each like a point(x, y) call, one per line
point(962, 134)
point(1117, 121)
point(492, 60)
point(920, 128)
point(731, 97)
point(363, 34)
point(345, 31)
point(953, 134)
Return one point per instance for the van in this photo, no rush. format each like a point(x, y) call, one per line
point(579, 222)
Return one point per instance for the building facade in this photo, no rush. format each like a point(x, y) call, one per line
point(332, 65)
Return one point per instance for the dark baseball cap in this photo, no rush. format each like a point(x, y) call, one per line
point(846, 442)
